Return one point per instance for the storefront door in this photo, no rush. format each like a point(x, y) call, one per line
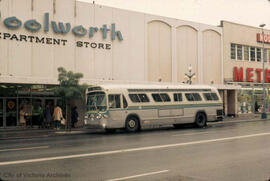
point(11, 112)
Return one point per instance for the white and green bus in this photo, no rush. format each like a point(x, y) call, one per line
point(132, 106)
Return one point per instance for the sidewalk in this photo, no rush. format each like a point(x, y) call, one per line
point(28, 133)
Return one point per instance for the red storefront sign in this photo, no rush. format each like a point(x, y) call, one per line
point(260, 38)
point(238, 75)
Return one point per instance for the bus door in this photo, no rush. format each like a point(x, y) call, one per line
point(117, 114)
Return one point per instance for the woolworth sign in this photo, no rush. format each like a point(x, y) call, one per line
point(60, 28)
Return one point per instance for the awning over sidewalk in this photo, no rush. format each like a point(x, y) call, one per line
point(227, 87)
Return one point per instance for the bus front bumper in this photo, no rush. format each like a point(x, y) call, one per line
point(95, 124)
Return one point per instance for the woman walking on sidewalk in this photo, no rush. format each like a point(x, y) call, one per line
point(57, 116)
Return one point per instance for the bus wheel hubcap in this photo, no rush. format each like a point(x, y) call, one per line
point(201, 120)
point(132, 123)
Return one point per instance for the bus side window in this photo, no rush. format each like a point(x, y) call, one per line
point(156, 97)
point(197, 97)
point(214, 96)
point(165, 97)
point(177, 97)
point(143, 97)
point(207, 96)
point(114, 101)
point(134, 97)
point(125, 104)
point(189, 97)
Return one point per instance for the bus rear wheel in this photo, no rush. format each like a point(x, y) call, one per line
point(200, 120)
point(132, 124)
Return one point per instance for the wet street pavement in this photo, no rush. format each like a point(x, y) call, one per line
point(222, 151)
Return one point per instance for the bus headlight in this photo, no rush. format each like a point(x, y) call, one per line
point(98, 116)
point(105, 116)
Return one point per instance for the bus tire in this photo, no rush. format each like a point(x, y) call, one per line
point(132, 124)
point(200, 120)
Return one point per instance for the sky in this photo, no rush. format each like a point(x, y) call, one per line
point(211, 12)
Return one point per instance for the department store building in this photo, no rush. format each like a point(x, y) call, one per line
point(114, 45)
point(244, 54)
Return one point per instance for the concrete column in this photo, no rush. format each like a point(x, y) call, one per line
point(225, 102)
point(236, 102)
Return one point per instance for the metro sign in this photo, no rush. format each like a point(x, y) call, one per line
point(250, 73)
point(260, 38)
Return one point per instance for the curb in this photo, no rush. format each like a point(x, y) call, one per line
point(52, 133)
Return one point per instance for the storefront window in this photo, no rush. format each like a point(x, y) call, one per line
point(8, 90)
point(258, 54)
point(11, 112)
point(24, 90)
point(252, 53)
point(246, 53)
point(239, 52)
point(245, 101)
point(233, 51)
point(13, 97)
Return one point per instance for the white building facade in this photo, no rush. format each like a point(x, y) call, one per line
point(103, 43)
point(244, 53)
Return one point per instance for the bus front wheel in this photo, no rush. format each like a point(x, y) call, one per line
point(200, 120)
point(132, 124)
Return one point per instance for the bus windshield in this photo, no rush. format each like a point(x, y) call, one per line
point(96, 101)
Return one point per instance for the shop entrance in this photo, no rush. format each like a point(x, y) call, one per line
point(231, 102)
point(10, 110)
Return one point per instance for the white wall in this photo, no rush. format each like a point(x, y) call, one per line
point(153, 47)
point(187, 51)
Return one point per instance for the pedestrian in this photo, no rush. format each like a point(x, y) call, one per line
point(23, 115)
point(57, 117)
point(74, 116)
point(48, 116)
point(256, 106)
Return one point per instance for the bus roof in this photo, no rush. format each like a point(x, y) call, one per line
point(134, 86)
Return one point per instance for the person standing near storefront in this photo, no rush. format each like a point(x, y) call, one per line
point(48, 116)
point(57, 116)
point(23, 114)
point(74, 116)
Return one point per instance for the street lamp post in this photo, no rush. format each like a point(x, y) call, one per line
point(264, 115)
point(189, 75)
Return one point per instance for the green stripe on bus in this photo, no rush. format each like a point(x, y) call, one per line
point(160, 107)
